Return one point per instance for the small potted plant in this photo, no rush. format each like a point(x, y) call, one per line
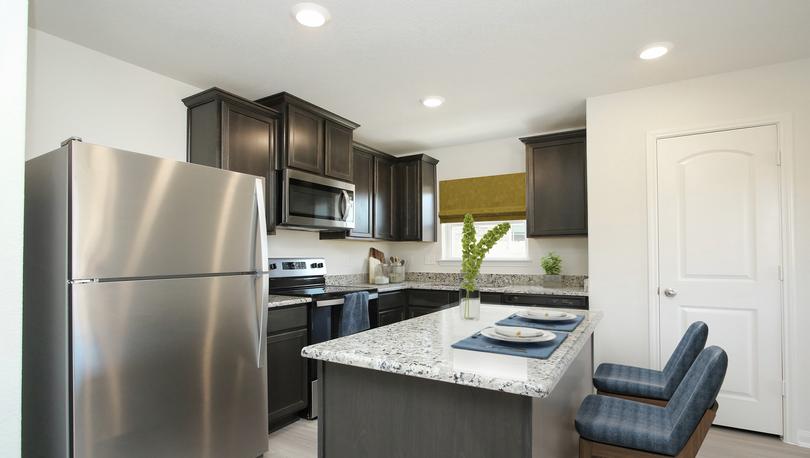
point(552, 265)
point(472, 255)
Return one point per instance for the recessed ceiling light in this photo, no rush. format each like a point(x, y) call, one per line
point(655, 50)
point(310, 14)
point(432, 101)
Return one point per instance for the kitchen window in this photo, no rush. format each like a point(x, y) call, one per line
point(514, 246)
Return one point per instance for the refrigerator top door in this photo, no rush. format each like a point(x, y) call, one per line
point(140, 216)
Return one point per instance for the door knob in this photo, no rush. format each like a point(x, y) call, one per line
point(669, 292)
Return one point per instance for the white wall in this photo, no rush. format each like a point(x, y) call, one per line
point(617, 128)
point(494, 157)
point(73, 90)
point(13, 47)
point(342, 256)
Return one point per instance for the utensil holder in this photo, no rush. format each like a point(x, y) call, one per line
point(397, 274)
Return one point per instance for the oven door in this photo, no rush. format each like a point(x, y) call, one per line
point(316, 202)
point(325, 321)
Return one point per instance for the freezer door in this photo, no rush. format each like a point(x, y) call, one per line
point(134, 215)
point(170, 367)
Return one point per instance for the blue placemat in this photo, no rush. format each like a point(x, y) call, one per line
point(566, 326)
point(541, 350)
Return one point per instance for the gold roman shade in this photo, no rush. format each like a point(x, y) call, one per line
point(492, 198)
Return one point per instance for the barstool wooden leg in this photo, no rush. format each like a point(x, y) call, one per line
point(584, 448)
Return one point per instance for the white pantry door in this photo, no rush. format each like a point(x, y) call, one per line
point(719, 262)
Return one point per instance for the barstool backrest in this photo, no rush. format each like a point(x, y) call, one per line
point(688, 349)
point(698, 390)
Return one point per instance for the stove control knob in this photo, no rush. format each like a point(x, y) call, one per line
point(314, 265)
point(272, 267)
point(320, 265)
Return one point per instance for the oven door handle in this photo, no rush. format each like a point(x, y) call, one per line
point(339, 301)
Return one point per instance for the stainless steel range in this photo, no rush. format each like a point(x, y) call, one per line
point(306, 277)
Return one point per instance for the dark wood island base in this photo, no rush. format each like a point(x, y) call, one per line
point(371, 413)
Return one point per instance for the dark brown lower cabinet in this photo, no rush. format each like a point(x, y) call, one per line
point(424, 301)
point(415, 311)
point(386, 317)
point(391, 307)
point(536, 300)
point(287, 384)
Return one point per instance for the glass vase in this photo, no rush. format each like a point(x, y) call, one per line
point(470, 304)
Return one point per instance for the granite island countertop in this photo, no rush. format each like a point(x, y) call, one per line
point(421, 347)
point(511, 289)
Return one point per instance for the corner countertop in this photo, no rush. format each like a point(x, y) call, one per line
point(511, 289)
point(280, 301)
point(421, 347)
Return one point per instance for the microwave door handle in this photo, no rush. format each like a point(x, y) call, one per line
point(344, 204)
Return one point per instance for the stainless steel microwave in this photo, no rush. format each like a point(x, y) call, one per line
point(314, 202)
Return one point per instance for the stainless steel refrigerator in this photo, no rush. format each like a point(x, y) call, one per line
point(145, 305)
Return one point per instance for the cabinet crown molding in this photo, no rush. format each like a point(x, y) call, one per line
point(555, 136)
point(215, 93)
point(284, 98)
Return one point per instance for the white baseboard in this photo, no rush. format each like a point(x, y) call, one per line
point(803, 438)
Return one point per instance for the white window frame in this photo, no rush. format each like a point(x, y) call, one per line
point(445, 260)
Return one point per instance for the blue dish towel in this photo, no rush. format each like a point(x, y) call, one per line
point(565, 326)
point(354, 317)
point(540, 350)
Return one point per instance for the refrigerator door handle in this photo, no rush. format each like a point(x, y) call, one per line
point(261, 228)
point(262, 298)
point(261, 263)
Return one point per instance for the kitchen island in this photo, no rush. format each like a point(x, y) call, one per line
point(402, 391)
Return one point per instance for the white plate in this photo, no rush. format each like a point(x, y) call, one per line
point(546, 315)
point(518, 331)
point(544, 337)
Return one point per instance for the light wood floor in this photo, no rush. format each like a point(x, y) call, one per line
point(299, 440)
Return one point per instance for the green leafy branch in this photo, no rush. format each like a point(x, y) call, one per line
point(551, 263)
point(473, 253)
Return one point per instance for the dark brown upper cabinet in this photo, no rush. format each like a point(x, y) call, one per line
point(231, 133)
point(339, 152)
point(383, 206)
point(556, 184)
point(313, 139)
point(305, 140)
point(363, 164)
point(416, 197)
point(374, 196)
point(395, 197)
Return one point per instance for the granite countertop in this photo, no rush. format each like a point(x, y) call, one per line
point(511, 289)
point(421, 347)
point(280, 301)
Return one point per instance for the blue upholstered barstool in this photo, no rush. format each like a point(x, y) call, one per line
point(651, 386)
point(610, 426)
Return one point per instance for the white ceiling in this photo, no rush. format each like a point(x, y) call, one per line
point(505, 67)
